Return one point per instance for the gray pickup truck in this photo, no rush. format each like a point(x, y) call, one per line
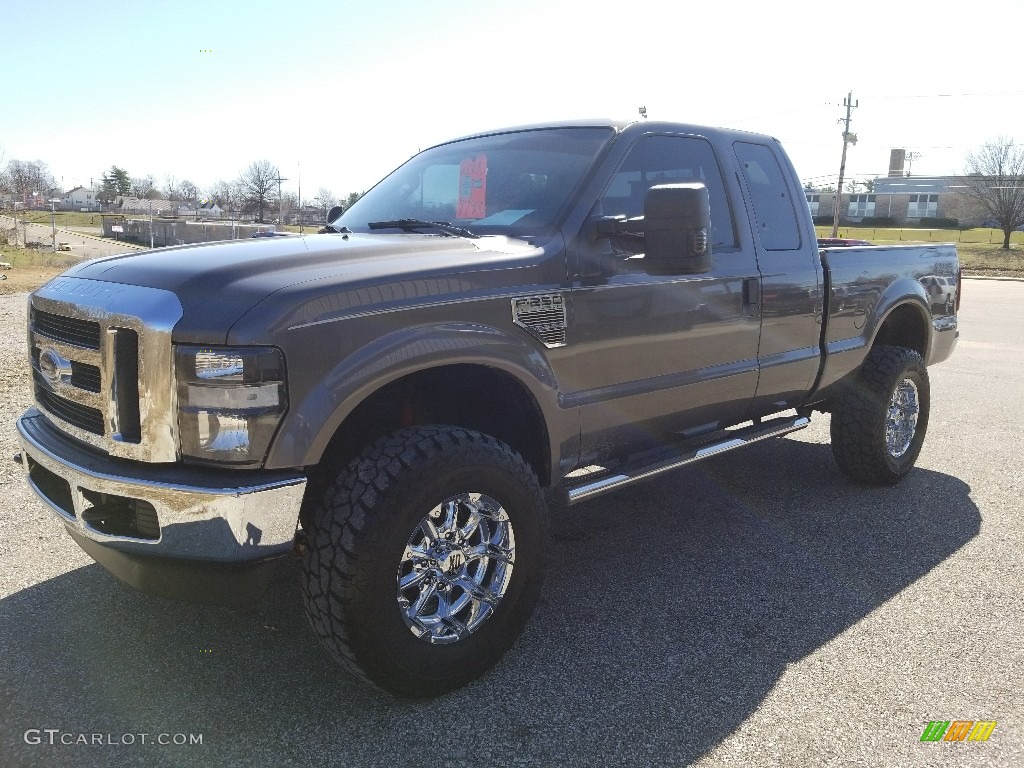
point(508, 323)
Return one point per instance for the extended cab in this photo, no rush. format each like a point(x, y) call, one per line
point(507, 323)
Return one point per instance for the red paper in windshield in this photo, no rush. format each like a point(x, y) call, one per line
point(472, 188)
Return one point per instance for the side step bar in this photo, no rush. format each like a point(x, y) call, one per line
point(588, 487)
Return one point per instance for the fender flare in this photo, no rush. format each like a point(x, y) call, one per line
point(900, 293)
point(311, 424)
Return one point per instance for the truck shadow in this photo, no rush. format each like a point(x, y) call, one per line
point(670, 611)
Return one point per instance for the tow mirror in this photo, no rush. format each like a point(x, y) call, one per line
point(677, 226)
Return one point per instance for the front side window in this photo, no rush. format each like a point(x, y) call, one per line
point(513, 183)
point(670, 160)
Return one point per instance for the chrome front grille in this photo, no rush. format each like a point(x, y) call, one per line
point(81, 333)
point(101, 365)
point(85, 376)
point(76, 414)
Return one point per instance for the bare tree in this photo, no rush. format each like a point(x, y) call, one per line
point(189, 192)
point(25, 179)
point(257, 185)
point(143, 186)
point(324, 200)
point(171, 188)
point(225, 194)
point(994, 179)
point(286, 204)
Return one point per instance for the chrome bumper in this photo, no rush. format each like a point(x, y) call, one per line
point(177, 520)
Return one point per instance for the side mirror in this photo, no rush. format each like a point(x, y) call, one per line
point(334, 213)
point(677, 226)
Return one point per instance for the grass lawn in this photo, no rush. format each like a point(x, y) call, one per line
point(32, 257)
point(981, 250)
point(31, 268)
point(64, 219)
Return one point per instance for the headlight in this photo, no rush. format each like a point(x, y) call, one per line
point(230, 401)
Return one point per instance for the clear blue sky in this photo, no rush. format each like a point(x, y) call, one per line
point(344, 91)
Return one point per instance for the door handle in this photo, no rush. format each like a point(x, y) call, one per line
point(751, 295)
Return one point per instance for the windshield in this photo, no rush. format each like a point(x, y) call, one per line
point(511, 183)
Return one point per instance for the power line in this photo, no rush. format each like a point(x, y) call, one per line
point(948, 95)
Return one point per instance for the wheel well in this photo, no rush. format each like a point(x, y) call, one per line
point(906, 327)
point(472, 396)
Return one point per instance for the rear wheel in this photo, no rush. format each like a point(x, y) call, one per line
point(425, 559)
point(879, 422)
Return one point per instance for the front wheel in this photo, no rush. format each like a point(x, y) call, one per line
point(879, 422)
point(425, 559)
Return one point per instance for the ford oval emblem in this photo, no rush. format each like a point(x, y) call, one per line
point(53, 366)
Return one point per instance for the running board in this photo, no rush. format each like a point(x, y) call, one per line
point(588, 488)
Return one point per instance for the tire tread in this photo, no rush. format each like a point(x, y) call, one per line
point(340, 523)
point(858, 422)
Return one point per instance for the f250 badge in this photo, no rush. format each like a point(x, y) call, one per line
point(543, 316)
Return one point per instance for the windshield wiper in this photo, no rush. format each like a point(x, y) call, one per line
point(411, 225)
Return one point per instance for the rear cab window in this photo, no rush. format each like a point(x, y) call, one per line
point(775, 219)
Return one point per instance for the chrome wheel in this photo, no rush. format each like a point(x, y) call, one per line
point(456, 567)
point(901, 419)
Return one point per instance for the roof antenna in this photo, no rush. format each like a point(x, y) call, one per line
point(643, 112)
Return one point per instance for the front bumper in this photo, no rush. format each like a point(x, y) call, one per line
point(187, 533)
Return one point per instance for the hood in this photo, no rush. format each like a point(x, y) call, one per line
point(218, 283)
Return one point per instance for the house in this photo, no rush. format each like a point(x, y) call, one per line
point(209, 210)
point(80, 199)
point(203, 210)
point(146, 207)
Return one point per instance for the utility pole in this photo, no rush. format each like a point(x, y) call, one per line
point(280, 206)
point(848, 138)
point(911, 157)
point(53, 220)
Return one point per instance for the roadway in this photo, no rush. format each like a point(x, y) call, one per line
point(757, 609)
point(84, 244)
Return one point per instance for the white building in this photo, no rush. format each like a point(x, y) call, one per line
point(80, 199)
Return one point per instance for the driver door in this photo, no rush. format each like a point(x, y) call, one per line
point(662, 356)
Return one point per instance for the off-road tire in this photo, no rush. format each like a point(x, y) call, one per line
point(860, 413)
point(360, 530)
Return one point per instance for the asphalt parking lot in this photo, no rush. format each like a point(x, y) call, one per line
point(757, 609)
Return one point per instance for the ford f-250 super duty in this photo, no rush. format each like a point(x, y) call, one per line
point(507, 323)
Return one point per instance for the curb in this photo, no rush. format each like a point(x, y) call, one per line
point(103, 239)
point(1003, 279)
